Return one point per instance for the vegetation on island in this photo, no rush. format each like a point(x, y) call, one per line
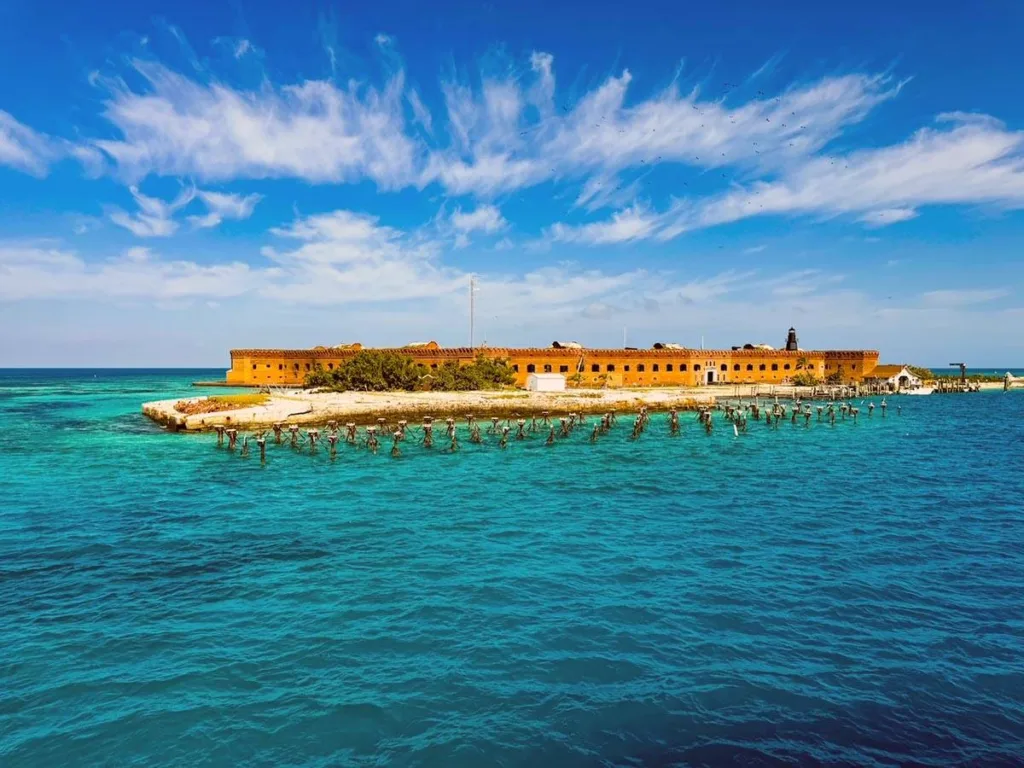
point(927, 374)
point(804, 379)
point(374, 370)
point(924, 374)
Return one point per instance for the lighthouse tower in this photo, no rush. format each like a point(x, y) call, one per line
point(791, 343)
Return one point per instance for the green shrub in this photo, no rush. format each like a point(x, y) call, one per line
point(382, 371)
point(805, 379)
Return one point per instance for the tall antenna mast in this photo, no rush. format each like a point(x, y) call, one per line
point(472, 307)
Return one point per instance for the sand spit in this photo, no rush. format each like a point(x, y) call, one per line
point(299, 407)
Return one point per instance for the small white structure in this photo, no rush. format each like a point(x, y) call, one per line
point(898, 377)
point(545, 382)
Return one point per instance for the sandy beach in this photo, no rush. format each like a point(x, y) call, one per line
point(299, 407)
point(296, 406)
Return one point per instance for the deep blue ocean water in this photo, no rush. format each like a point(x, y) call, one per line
point(848, 595)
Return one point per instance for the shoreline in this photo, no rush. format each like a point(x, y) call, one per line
point(363, 408)
point(296, 406)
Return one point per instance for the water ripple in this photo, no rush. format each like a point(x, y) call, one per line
point(845, 595)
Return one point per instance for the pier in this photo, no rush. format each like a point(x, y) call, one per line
point(734, 418)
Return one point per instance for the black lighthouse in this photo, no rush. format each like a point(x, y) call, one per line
point(791, 342)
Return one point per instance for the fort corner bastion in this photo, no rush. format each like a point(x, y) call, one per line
point(664, 365)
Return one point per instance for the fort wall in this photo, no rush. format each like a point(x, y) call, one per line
point(582, 367)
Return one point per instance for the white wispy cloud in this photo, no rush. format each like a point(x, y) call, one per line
point(311, 130)
point(971, 161)
point(36, 272)
point(420, 112)
point(155, 216)
point(500, 145)
point(633, 223)
point(962, 298)
point(347, 257)
point(887, 216)
point(23, 148)
point(965, 162)
point(224, 205)
point(486, 218)
point(509, 133)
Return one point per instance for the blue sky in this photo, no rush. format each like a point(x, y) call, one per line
point(179, 179)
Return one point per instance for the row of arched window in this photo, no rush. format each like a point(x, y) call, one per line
point(655, 367)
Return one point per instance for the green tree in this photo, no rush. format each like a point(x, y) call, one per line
point(381, 371)
point(805, 379)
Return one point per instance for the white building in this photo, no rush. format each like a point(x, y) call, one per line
point(898, 377)
point(545, 382)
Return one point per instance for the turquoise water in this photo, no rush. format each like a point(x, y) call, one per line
point(848, 595)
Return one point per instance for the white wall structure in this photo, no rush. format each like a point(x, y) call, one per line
point(898, 377)
point(545, 382)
